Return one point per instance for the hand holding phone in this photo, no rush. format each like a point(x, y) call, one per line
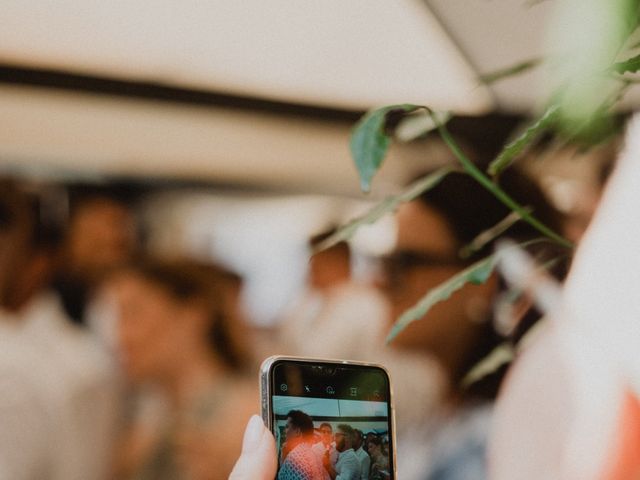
point(331, 419)
point(258, 458)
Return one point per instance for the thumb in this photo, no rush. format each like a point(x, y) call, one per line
point(258, 458)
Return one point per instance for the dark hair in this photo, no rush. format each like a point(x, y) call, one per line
point(82, 194)
point(375, 440)
point(340, 247)
point(15, 212)
point(348, 431)
point(21, 209)
point(470, 209)
point(301, 421)
point(187, 280)
point(325, 424)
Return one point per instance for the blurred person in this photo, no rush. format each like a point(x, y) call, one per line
point(338, 317)
point(348, 465)
point(451, 442)
point(458, 332)
point(58, 394)
point(333, 301)
point(379, 461)
point(368, 437)
point(299, 462)
point(229, 285)
point(578, 219)
point(325, 445)
point(100, 236)
point(547, 432)
point(363, 456)
point(174, 336)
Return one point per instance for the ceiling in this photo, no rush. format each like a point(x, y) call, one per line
point(323, 62)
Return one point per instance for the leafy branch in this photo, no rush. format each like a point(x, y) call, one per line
point(478, 273)
point(511, 71)
point(484, 238)
point(514, 148)
point(370, 141)
point(500, 194)
point(386, 206)
point(631, 65)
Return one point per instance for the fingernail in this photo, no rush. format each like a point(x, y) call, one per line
point(252, 435)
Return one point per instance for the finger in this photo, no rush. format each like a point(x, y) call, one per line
point(258, 458)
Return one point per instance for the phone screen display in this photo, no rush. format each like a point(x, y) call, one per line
point(349, 407)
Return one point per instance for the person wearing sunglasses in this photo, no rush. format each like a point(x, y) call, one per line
point(434, 233)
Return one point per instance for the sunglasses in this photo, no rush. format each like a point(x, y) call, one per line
point(406, 259)
point(396, 265)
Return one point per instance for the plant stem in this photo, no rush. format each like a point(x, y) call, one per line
point(500, 194)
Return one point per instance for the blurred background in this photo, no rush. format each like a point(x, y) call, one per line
point(218, 131)
point(232, 121)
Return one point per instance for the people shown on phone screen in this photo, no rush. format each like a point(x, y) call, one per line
point(361, 453)
point(348, 465)
point(298, 459)
point(379, 461)
point(329, 452)
point(326, 445)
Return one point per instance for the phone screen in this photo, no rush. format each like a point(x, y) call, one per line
point(349, 406)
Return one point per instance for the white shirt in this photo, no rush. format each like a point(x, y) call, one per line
point(351, 321)
point(365, 463)
point(346, 319)
point(58, 397)
point(348, 466)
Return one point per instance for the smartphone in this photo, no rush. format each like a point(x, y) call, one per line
point(350, 407)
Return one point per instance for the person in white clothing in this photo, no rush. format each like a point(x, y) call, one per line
point(363, 457)
point(339, 317)
point(57, 407)
point(348, 466)
point(326, 445)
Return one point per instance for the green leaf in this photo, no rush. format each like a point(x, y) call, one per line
point(479, 242)
point(502, 354)
point(631, 65)
point(414, 126)
point(514, 148)
point(495, 189)
point(511, 71)
point(370, 140)
point(478, 273)
point(586, 37)
point(389, 204)
point(499, 356)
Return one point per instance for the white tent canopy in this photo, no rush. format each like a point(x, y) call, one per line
point(332, 54)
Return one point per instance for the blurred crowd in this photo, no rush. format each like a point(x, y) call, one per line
point(116, 363)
